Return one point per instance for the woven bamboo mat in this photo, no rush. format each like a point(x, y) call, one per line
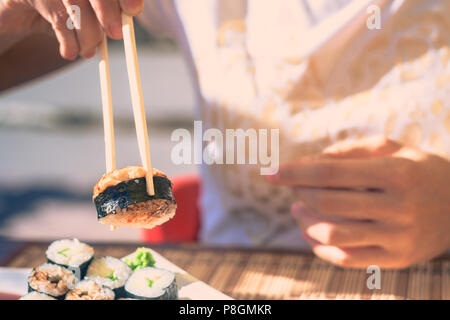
point(245, 274)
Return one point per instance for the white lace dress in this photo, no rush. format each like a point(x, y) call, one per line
point(313, 69)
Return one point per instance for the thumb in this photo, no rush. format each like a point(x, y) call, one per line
point(378, 146)
point(132, 7)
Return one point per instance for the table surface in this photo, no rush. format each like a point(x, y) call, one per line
point(265, 274)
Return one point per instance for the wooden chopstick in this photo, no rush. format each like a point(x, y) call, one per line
point(108, 119)
point(137, 98)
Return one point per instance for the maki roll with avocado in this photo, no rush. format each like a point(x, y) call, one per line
point(109, 272)
point(36, 296)
point(90, 290)
point(121, 199)
point(152, 284)
point(71, 254)
point(52, 280)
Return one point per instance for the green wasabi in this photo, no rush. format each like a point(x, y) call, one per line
point(141, 258)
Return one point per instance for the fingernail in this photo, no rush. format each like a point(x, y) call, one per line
point(115, 30)
point(132, 7)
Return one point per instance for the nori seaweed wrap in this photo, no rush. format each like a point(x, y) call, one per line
point(121, 199)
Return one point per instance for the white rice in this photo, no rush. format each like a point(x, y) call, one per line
point(36, 296)
point(102, 269)
point(69, 252)
point(138, 284)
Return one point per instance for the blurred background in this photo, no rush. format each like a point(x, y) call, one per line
point(52, 147)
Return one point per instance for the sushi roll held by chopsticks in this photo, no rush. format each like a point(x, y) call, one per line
point(138, 196)
point(121, 199)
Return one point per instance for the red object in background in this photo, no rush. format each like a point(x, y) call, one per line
point(8, 296)
point(185, 225)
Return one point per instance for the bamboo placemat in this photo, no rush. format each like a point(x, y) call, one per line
point(249, 274)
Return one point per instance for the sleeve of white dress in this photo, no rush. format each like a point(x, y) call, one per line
point(156, 18)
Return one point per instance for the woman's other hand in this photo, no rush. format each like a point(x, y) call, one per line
point(372, 202)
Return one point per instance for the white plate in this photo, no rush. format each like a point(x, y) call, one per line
point(14, 281)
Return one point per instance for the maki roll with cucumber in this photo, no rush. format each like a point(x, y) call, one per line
point(109, 272)
point(90, 290)
point(121, 199)
point(71, 254)
point(36, 296)
point(152, 284)
point(52, 280)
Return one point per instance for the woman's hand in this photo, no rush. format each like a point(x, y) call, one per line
point(372, 202)
point(19, 17)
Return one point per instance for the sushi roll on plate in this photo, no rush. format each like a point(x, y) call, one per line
point(152, 284)
point(109, 272)
point(121, 199)
point(52, 280)
point(90, 290)
point(36, 296)
point(71, 254)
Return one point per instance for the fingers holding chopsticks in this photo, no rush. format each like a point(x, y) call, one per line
point(79, 24)
point(109, 14)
